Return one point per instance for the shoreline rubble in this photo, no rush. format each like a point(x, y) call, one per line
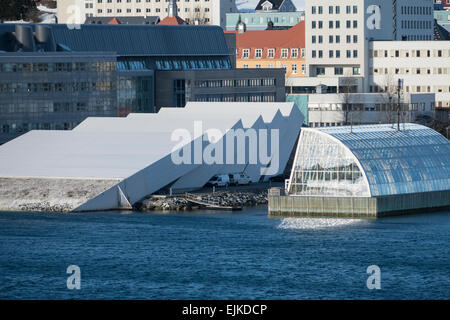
point(223, 198)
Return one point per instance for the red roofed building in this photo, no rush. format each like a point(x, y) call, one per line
point(173, 21)
point(172, 18)
point(272, 49)
point(114, 21)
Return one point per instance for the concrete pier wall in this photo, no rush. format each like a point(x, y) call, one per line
point(49, 194)
point(371, 207)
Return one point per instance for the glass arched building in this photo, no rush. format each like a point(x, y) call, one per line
point(368, 170)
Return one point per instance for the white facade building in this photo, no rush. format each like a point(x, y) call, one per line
point(424, 67)
point(338, 32)
point(210, 12)
point(111, 163)
point(332, 110)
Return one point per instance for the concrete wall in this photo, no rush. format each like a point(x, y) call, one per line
point(49, 194)
point(357, 207)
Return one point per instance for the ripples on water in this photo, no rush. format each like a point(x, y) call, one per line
point(307, 223)
point(222, 255)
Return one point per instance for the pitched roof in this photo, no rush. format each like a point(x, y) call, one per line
point(267, 39)
point(276, 4)
point(172, 21)
point(123, 20)
point(114, 21)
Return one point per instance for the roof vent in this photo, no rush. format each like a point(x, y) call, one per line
point(44, 35)
point(24, 35)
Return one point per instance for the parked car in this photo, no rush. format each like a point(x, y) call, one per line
point(220, 180)
point(241, 179)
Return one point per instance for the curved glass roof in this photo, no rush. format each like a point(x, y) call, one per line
point(412, 160)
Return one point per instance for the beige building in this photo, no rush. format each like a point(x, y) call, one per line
point(209, 12)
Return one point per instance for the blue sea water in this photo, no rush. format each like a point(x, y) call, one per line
point(222, 255)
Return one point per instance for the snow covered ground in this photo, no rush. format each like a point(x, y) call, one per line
point(48, 14)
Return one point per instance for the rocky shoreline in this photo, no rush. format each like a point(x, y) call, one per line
point(222, 198)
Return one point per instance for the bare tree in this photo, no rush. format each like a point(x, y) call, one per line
point(197, 15)
point(346, 92)
point(389, 96)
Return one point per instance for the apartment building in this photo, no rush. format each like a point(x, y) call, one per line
point(209, 12)
point(268, 49)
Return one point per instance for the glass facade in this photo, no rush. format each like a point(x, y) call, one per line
point(51, 93)
point(373, 160)
point(134, 94)
point(175, 63)
point(325, 167)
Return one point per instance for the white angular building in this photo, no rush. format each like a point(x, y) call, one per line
point(112, 163)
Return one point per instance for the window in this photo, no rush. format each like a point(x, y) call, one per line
point(245, 53)
point(258, 53)
point(294, 69)
point(271, 53)
point(356, 70)
point(284, 53)
point(320, 71)
point(331, 53)
point(294, 53)
point(338, 71)
point(320, 54)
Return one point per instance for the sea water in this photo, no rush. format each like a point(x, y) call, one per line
point(222, 255)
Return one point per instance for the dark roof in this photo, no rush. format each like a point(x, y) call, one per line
point(440, 33)
point(123, 20)
point(131, 40)
point(276, 4)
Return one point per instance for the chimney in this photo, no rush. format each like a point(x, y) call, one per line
point(44, 35)
point(173, 9)
point(24, 35)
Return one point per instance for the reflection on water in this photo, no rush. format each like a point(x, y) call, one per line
point(308, 223)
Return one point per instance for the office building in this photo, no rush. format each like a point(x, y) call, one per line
point(126, 66)
point(208, 12)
